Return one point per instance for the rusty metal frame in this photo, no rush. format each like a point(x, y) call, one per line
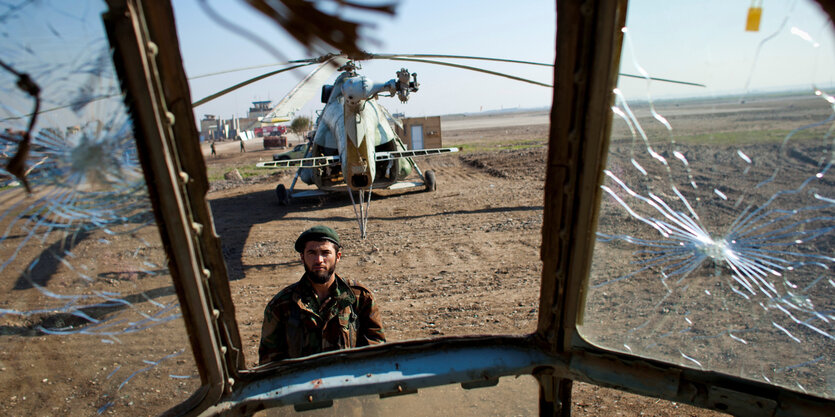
point(147, 59)
point(589, 40)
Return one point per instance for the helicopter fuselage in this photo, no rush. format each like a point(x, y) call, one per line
point(355, 126)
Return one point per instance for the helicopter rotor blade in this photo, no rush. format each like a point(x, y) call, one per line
point(665, 80)
point(231, 70)
point(245, 83)
point(306, 89)
point(467, 67)
point(316, 60)
point(515, 61)
point(480, 58)
point(330, 61)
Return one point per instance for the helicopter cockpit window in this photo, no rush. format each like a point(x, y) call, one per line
point(717, 222)
point(89, 319)
point(460, 260)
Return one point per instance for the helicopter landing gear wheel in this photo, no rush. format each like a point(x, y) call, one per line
point(282, 194)
point(429, 180)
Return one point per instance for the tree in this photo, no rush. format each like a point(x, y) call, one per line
point(300, 125)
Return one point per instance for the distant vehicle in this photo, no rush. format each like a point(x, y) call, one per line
point(297, 152)
point(275, 142)
point(270, 130)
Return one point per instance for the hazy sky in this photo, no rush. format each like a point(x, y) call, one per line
point(699, 41)
point(705, 41)
point(483, 28)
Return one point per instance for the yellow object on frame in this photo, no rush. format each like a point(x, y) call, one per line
point(755, 12)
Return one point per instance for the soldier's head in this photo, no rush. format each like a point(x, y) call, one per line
point(320, 251)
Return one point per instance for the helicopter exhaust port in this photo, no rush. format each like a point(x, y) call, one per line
point(360, 181)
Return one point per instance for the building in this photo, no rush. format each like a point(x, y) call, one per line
point(210, 127)
point(259, 109)
point(421, 132)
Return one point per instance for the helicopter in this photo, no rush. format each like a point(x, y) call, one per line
point(366, 154)
point(361, 155)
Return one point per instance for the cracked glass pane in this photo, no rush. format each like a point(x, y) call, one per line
point(715, 236)
point(89, 319)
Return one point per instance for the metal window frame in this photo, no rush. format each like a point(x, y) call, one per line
point(148, 61)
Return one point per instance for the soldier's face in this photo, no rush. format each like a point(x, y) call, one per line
point(320, 259)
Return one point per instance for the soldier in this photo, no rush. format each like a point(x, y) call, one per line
point(214, 151)
point(322, 311)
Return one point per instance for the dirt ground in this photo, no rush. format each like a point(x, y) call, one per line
point(462, 260)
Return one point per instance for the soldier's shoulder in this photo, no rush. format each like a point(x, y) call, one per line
point(358, 287)
point(285, 295)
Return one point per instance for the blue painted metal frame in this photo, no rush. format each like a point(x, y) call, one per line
point(387, 369)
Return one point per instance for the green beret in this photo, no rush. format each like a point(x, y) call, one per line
point(316, 233)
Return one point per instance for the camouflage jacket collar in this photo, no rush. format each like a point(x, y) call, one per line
point(341, 297)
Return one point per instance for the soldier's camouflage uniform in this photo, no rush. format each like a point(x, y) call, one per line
point(296, 325)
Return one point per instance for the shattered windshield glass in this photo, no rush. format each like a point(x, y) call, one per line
point(89, 319)
point(717, 218)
